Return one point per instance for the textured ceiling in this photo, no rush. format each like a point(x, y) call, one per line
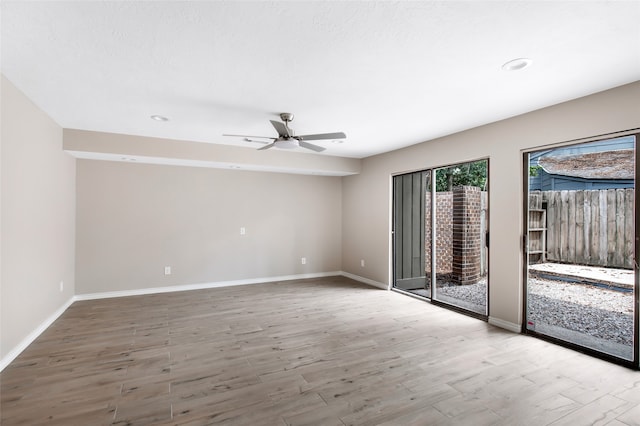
point(388, 74)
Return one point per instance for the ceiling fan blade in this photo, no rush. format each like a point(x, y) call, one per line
point(282, 130)
point(257, 141)
point(271, 145)
point(321, 136)
point(248, 136)
point(311, 146)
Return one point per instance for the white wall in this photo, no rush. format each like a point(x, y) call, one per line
point(135, 219)
point(367, 196)
point(37, 220)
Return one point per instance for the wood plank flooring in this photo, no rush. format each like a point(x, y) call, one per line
point(313, 352)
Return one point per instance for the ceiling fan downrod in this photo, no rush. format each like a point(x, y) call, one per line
point(287, 117)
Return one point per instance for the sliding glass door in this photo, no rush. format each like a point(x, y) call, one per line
point(411, 265)
point(461, 230)
point(440, 230)
point(582, 284)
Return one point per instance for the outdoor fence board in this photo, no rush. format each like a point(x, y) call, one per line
point(557, 240)
point(588, 227)
point(571, 227)
point(611, 226)
point(629, 223)
point(595, 227)
point(602, 235)
point(564, 220)
point(579, 251)
point(618, 258)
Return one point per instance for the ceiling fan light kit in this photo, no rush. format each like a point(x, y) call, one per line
point(288, 144)
point(288, 140)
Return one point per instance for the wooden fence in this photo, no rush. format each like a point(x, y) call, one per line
point(587, 227)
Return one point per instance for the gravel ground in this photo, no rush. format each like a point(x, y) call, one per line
point(475, 294)
point(601, 313)
point(594, 311)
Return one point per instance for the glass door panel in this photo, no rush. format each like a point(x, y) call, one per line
point(410, 270)
point(440, 235)
point(581, 275)
point(460, 232)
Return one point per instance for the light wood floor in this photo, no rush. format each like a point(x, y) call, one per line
point(314, 352)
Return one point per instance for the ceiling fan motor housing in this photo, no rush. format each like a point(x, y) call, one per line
point(286, 117)
point(288, 140)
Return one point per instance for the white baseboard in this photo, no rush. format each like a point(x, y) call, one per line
point(17, 350)
point(516, 328)
point(365, 280)
point(201, 286)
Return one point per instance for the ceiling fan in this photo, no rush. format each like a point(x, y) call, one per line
point(287, 139)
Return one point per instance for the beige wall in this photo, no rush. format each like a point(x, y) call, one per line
point(367, 196)
point(128, 220)
point(38, 215)
point(135, 219)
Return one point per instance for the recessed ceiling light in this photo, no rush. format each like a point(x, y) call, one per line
point(159, 118)
point(517, 64)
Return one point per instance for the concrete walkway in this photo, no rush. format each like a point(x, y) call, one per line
point(589, 274)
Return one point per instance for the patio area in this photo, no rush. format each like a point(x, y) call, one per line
point(594, 275)
point(592, 305)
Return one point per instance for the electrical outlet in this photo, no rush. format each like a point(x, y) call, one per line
point(243, 231)
point(61, 286)
point(167, 270)
point(303, 260)
point(362, 263)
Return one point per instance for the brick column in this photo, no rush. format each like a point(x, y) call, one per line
point(444, 208)
point(466, 235)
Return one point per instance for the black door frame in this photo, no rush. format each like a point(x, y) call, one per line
point(394, 254)
point(635, 362)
